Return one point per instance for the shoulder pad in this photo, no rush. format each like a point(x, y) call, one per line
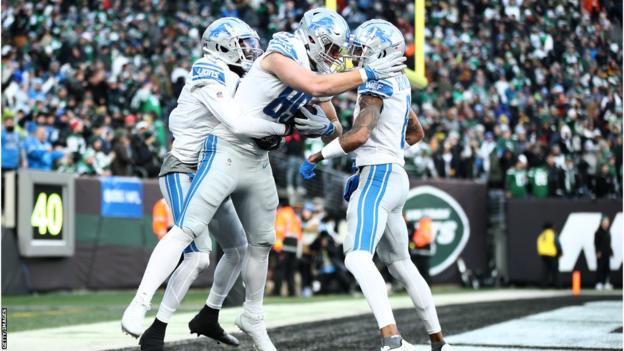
point(282, 43)
point(207, 70)
point(380, 88)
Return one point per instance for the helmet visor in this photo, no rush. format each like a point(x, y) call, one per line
point(251, 48)
point(333, 58)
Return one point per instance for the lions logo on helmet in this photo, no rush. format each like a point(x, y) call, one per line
point(375, 39)
point(233, 41)
point(325, 34)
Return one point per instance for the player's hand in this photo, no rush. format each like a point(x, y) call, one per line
point(388, 67)
point(350, 186)
point(307, 170)
point(314, 124)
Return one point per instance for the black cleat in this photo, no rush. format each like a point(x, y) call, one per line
point(153, 339)
point(206, 323)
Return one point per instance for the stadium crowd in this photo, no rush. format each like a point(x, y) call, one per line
point(523, 94)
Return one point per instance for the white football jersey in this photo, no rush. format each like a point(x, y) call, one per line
point(261, 94)
point(191, 121)
point(387, 140)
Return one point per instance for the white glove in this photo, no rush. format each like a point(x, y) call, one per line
point(314, 124)
point(387, 67)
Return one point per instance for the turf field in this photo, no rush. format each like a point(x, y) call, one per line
point(484, 320)
point(38, 311)
point(578, 329)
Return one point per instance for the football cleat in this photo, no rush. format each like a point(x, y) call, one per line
point(447, 347)
point(133, 316)
point(253, 325)
point(207, 324)
point(405, 346)
point(153, 338)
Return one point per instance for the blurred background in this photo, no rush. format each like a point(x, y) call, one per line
point(518, 181)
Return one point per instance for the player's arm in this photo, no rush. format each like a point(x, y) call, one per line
point(303, 79)
point(414, 132)
point(332, 116)
point(223, 107)
point(365, 123)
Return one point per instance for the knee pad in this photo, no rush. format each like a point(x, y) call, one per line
point(262, 239)
point(259, 252)
point(199, 260)
point(354, 259)
point(235, 254)
point(179, 234)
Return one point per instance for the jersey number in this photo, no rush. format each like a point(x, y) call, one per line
point(284, 107)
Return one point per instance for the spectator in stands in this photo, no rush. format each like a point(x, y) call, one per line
point(605, 184)
point(39, 153)
point(95, 161)
point(545, 74)
point(287, 242)
point(294, 148)
point(516, 179)
point(121, 164)
point(602, 244)
point(538, 181)
point(11, 145)
point(549, 250)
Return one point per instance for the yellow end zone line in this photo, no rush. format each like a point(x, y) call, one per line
point(417, 76)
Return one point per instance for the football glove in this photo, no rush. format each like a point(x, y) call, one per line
point(388, 67)
point(313, 124)
point(350, 186)
point(269, 143)
point(307, 170)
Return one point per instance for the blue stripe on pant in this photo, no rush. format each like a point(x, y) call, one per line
point(176, 197)
point(210, 146)
point(368, 206)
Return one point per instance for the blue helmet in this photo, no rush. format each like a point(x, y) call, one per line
point(325, 34)
point(233, 41)
point(373, 40)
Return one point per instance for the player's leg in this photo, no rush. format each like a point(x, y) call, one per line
point(203, 199)
point(174, 187)
point(256, 204)
point(393, 251)
point(366, 219)
point(228, 232)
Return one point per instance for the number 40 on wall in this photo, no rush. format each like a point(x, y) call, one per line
point(47, 214)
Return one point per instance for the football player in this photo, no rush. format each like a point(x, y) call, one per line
point(294, 69)
point(384, 124)
point(230, 46)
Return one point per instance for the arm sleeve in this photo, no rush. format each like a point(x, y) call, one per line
point(225, 110)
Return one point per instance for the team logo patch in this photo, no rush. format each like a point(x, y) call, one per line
point(449, 224)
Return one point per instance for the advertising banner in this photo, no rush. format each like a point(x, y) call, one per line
point(122, 197)
point(457, 212)
point(576, 221)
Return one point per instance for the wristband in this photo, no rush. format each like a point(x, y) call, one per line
point(333, 149)
point(363, 75)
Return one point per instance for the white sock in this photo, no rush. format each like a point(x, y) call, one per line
point(360, 264)
point(225, 275)
point(180, 282)
point(163, 261)
point(418, 290)
point(254, 273)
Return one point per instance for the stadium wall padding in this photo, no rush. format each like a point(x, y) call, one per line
point(525, 218)
point(472, 197)
point(110, 253)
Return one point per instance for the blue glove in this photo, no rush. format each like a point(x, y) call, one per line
point(307, 170)
point(350, 186)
